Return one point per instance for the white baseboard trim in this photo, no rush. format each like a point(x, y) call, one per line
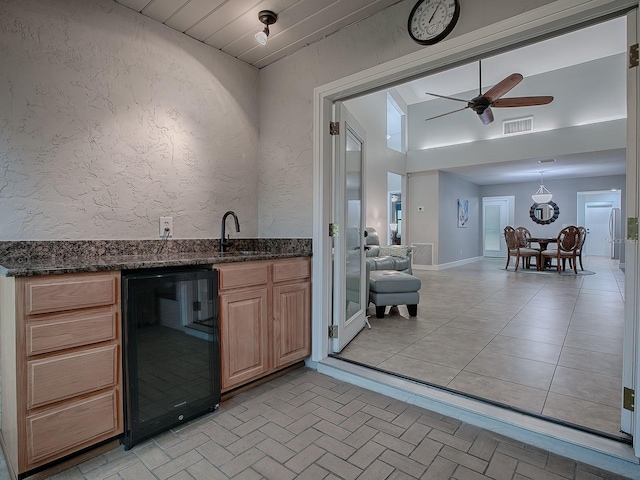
point(444, 266)
point(591, 449)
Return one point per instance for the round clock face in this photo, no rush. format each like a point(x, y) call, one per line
point(432, 20)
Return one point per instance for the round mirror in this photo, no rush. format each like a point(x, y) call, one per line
point(544, 213)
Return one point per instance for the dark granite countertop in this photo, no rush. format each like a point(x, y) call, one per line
point(47, 258)
point(130, 262)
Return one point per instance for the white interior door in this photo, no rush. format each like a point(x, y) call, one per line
point(495, 216)
point(350, 291)
point(630, 370)
point(596, 221)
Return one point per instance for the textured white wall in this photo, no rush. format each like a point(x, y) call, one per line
point(286, 101)
point(109, 120)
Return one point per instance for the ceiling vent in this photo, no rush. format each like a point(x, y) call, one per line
point(517, 125)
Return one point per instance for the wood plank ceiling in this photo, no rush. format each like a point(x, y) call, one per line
point(230, 25)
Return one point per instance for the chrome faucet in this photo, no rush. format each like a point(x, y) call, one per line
point(224, 243)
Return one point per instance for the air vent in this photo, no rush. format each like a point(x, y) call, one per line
point(517, 125)
point(422, 254)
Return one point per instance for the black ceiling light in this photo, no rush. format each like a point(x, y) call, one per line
point(268, 18)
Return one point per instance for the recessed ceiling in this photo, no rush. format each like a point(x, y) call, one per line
point(581, 47)
point(230, 25)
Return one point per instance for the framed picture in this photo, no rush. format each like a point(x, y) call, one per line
point(463, 213)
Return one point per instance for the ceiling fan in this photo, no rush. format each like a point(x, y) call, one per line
point(492, 98)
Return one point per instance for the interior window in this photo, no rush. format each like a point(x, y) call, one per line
point(395, 126)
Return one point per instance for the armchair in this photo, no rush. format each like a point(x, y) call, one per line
point(392, 257)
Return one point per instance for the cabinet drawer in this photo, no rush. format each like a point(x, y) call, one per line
point(291, 269)
point(56, 294)
point(70, 330)
point(246, 275)
point(72, 426)
point(64, 376)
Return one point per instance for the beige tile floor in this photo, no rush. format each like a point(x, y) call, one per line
point(308, 426)
point(542, 342)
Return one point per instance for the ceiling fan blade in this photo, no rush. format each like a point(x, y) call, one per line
point(521, 101)
point(448, 113)
point(502, 87)
point(486, 117)
point(448, 98)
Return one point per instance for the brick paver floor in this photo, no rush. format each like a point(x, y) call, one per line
point(306, 425)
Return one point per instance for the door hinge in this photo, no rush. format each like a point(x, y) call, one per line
point(334, 230)
point(333, 331)
point(628, 399)
point(632, 228)
point(334, 128)
point(633, 56)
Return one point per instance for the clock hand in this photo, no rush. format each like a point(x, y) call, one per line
point(434, 14)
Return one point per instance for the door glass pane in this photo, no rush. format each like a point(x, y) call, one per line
point(352, 223)
point(492, 234)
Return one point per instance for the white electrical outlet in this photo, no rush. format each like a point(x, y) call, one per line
point(166, 223)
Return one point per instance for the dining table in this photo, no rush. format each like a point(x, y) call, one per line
point(544, 243)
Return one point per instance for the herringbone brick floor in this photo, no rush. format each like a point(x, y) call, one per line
point(306, 425)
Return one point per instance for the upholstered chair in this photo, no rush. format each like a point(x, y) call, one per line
point(514, 249)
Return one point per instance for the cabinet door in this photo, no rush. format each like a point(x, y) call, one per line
point(243, 329)
point(291, 327)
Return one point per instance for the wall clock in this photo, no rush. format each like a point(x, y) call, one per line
point(432, 20)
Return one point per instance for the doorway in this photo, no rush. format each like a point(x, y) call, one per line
point(394, 193)
point(332, 92)
point(497, 213)
point(600, 213)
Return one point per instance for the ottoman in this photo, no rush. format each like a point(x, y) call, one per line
point(389, 287)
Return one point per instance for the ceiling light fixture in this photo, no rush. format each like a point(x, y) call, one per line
point(542, 195)
point(268, 18)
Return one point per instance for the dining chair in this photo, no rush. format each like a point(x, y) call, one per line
point(583, 238)
point(524, 235)
point(514, 249)
point(567, 248)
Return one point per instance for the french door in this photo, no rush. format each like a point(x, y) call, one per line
point(350, 292)
point(631, 356)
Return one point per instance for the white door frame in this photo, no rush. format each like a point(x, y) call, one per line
point(529, 26)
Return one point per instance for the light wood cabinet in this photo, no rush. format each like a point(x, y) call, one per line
point(244, 337)
point(60, 360)
point(265, 318)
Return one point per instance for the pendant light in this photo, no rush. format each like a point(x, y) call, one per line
point(542, 195)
